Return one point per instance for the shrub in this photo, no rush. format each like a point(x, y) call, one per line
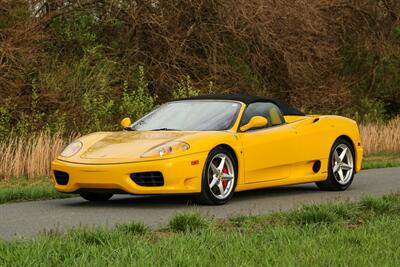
point(136, 102)
point(185, 89)
point(89, 91)
point(368, 111)
point(75, 32)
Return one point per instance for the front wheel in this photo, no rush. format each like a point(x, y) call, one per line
point(97, 197)
point(340, 167)
point(219, 178)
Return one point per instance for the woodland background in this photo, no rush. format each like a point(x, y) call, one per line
point(80, 66)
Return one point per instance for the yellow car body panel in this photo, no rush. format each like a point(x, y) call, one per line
point(273, 156)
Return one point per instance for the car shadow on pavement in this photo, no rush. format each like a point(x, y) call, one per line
point(176, 201)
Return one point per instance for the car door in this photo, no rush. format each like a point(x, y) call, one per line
point(270, 151)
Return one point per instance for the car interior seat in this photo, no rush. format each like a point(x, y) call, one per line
point(275, 117)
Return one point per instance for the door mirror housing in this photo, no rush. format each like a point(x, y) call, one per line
point(126, 123)
point(254, 122)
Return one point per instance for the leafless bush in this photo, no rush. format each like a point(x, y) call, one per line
point(20, 37)
point(320, 55)
point(290, 49)
point(281, 48)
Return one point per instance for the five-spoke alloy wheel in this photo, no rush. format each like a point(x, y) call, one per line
point(341, 167)
point(219, 177)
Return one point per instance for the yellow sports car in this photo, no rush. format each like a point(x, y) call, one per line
point(212, 146)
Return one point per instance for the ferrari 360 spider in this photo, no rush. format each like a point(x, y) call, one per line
point(212, 146)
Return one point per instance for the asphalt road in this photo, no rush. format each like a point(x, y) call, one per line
point(24, 220)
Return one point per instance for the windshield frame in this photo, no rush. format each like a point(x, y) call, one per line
point(230, 127)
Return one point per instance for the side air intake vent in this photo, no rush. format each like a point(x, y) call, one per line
point(316, 166)
point(62, 178)
point(148, 178)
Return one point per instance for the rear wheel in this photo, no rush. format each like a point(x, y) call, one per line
point(98, 197)
point(219, 178)
point(340, 167)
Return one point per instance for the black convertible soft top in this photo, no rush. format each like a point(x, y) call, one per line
point(285, 108)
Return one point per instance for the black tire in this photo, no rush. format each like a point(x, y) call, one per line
point(206, 197)
point(332, 182)
point(96, 197)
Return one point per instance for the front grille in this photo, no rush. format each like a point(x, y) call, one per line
point(148, 178)
point(62, 178)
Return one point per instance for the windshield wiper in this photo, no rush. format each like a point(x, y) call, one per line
point(164, 129)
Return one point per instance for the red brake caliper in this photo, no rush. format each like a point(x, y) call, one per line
point(225, 182)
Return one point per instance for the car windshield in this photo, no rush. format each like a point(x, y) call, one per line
point(190, 115)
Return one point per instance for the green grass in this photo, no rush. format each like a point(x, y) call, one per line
point(24, 189)
point(188, 222)
point(381, 160)
point(366, 233)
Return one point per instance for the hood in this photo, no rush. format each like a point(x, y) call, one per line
point(120, 147)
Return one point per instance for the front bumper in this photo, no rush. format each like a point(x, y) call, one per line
point(181, 175)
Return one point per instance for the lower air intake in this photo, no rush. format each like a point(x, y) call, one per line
point(62, 178)
point(148, 178)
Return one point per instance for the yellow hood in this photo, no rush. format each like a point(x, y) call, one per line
point(120, 147)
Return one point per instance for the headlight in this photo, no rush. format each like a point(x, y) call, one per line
point(71, 149)
point(166, 149)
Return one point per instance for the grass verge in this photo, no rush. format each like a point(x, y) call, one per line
point(381, 160)
point(366, 233)
point(24, 189)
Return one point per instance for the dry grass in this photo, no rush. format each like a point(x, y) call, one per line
point(29, 156)
point(378, 137)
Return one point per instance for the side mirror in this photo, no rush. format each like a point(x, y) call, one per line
point(126, 122)
point(254, 122)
